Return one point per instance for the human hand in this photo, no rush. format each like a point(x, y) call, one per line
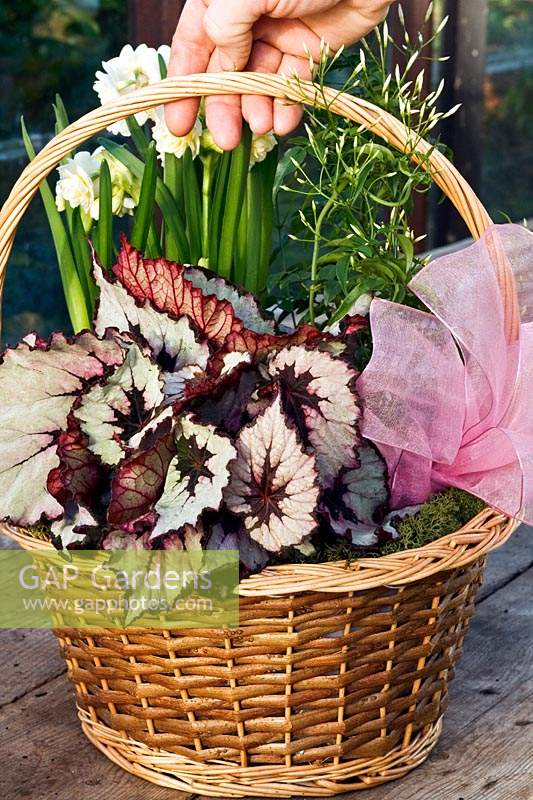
point(273, 36)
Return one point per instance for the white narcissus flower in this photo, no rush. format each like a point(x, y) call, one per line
point(166, 142)
point(261, 146)
point(76, 184)
point(79, 185)
point(131, 69)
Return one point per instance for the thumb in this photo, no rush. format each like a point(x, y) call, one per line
point(228, 24)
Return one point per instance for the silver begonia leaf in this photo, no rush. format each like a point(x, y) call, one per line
point(273, 482)
point(196, 476)
point(114, 411)
point(317, 394)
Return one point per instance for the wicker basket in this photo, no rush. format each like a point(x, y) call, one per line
point(337, 678)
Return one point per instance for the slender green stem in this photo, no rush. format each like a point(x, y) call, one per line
point(139, 138)
point(193, 206)
point(217, 208)
point(240, 163)
point(144, 213)
point(103, 237)
point(153, 245)
point(241, 242)
point(78, 303)
point(267, 170)
point(207, 180)
point(254, 212)
point(316, 249)
point(177, 248)
point(82, 256)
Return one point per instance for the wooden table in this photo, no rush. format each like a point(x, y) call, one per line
point(485, 753)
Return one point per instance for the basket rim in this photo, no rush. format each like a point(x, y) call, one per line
point(285, 88)
point(485, 532)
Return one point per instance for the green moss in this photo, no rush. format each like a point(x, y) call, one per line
point(41, 532)
point(443, 514)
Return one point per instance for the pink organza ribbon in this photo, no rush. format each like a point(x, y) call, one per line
point(448, 396)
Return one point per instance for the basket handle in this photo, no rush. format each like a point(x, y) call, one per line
point(383, 124)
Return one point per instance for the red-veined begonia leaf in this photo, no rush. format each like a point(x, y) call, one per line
point(251, 554)
point(165, 285)
point(38, 387)
point(67, 528)
point(80, 475)
point(172, 342)
point(139, 480)
point(243, 303)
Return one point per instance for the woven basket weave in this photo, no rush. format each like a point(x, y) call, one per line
point(337, 677)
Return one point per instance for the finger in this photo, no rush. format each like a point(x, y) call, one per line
point(259, 111)
point(287, 116)
point(229, 23)
point(190, 52)
point(290, 36)
point(223, 113)
point(337, 27)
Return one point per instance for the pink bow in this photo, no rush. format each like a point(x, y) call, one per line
point(448, 396)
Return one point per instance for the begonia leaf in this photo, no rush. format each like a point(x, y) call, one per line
point(38, 386)
point(112, 411)
point(196, 476)
point(317, 393)
point(273, 482)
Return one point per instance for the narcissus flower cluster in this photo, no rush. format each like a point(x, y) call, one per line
point(185, 420)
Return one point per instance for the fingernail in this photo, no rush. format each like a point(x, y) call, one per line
point(226, 62)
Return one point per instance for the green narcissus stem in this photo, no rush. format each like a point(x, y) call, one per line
point(163, 71)
point(78, 305)
point(173, 178)
point(103, 234)
point(217, 208)
point(153, 244)
point(82, 254)
point(236, 187)
point(177, 247)
point(193, 206)
point(254, 212)
point(139, 138)
point(241, 243)
point(60, 113)
point(207, 182)
point(267, 170)
point(144, 213)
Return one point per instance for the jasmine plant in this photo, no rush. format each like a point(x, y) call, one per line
point(346, 197)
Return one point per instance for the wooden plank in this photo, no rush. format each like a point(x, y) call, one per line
point(515, 557)
point(49, 757)
point(153, 21)
point(491, 760)
point(30, 658)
